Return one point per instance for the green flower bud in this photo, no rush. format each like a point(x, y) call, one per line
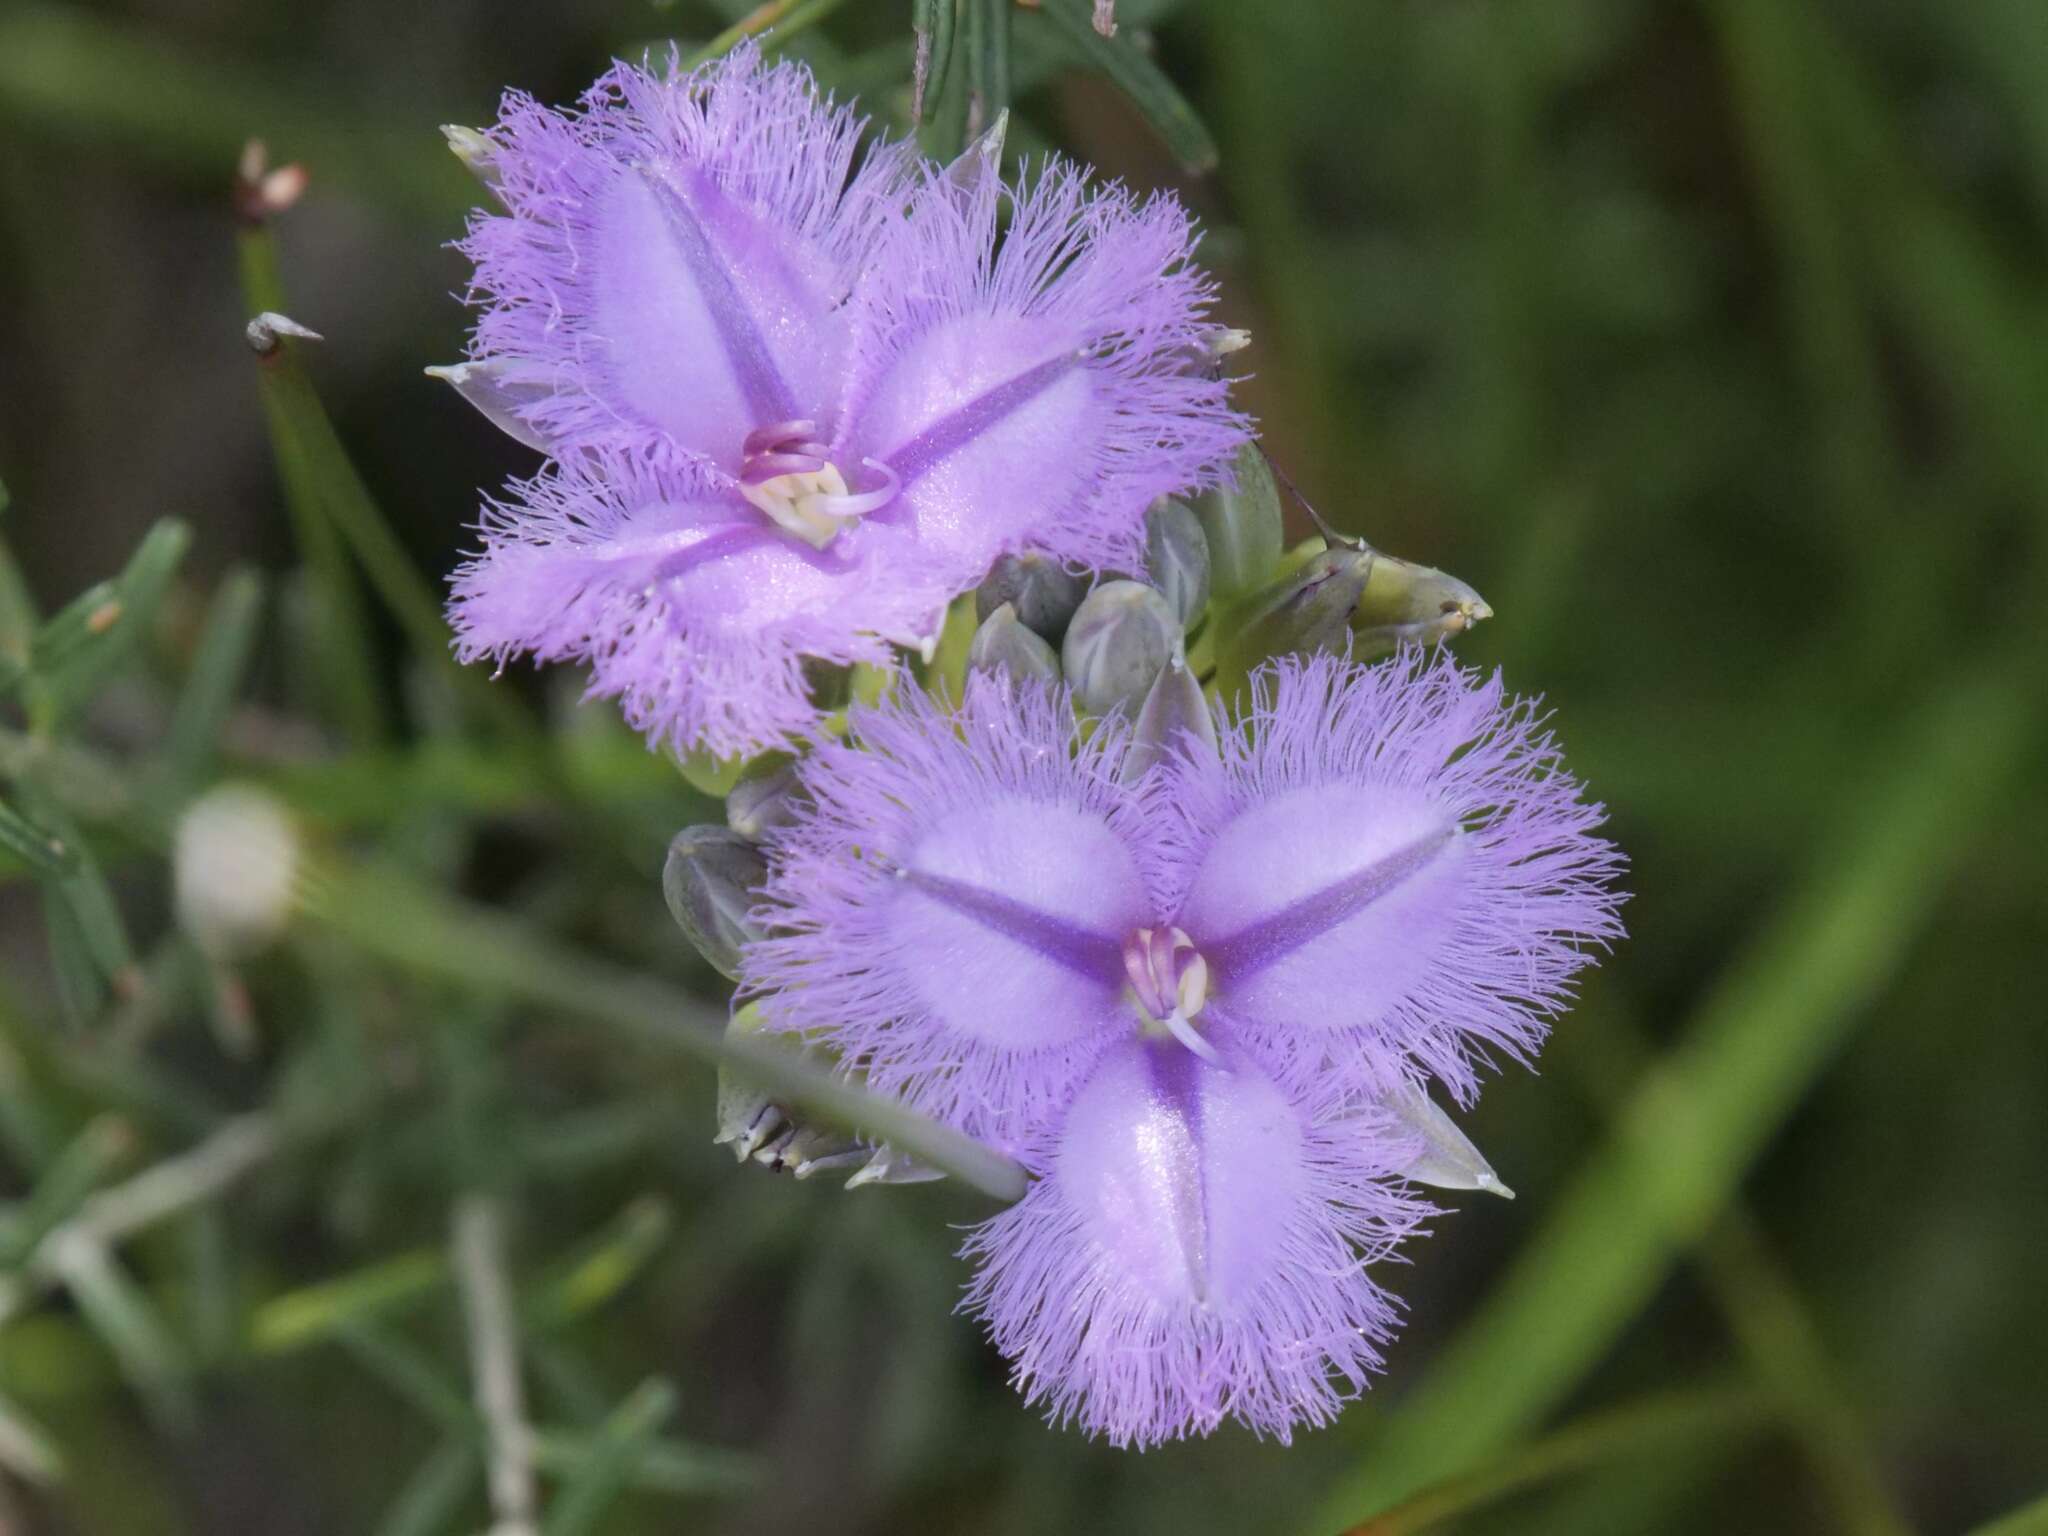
point(473, 147)
point(710, 881)
point(760, 1130)
point(1405, 603)
point(1177, 558)
point(768, 794)
point(1174, 717)
point(1305, 611)
point(747, 1118)
point(802, 1150)
point(1122, 638)
point(1448, 1159)
point(888, 1166)
point(1043, 595)
point(1242, 526)
point(1004, 646)
point(763, 1131)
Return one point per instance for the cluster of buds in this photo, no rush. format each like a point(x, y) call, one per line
point(712, 880)
point(1219, 593)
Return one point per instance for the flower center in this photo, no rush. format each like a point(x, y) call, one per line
point(1169, 984)
point(788, 474)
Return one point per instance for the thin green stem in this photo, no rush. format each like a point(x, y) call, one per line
point(1639, 1429)
point(496, 955)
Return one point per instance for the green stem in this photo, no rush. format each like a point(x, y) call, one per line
point(1639, 1429)
point(495, 955)
point(1762, 1309)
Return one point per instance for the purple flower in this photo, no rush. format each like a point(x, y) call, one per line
point(798, 396)
point(1188, 1000)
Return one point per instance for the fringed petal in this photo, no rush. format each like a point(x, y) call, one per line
point(689, 608)
point(1038, 388)
point(1197, 1251)
point(1392, 861)
point(670, 270)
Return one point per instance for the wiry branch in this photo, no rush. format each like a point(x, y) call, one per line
point(479, 1244)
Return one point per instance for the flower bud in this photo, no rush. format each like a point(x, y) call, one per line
point(1005, 647)
point(266, 333)
point(486, 386)
point(710, 880)
point(1242, 526)
point(888, 1166)
point(474, 149)
point(234, 861)
point(767, 796)
point(802, 1150)
point(1043, 595)
point(1177, 558)
point(1448, 1159)
point(1411, 604)
point(747, 1117)
point(763, 1131)
point(1174, 717)
point(1300, 614)
point(1122, 637)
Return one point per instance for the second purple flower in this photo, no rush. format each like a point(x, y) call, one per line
point(1200, 1000)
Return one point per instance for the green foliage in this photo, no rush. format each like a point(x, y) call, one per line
point(1707, 340)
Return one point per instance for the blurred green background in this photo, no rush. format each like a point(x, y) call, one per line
point(1707, 338)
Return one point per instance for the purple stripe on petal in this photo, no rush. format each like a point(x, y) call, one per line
point(1093, 955)
point(1322, 906)
point(746, 350)
point(1390, 859)
point(987, 410)
point(949, 904)
point(1185, 1170)
point(1265, 940)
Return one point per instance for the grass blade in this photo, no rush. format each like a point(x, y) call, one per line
point(435, 1493)
point(598, 1271)
point(42, 851)
point(125, 1318)
point(1603, 1439)
point(614, 1450)
point(1689, 1133)
point(93, 634)
point(26, 1449)
point(18, 622)
point(218, 666)
point(496, 955)
point(1151, 92)
point(315, 1312)
point(933, 23)
point(2028, 1520)
point(987, 41)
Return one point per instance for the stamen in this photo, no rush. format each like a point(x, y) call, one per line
point(783, 435)
point(1080, 950)
point(1178, 1026)
point(1170, 983)
point(787, 473)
